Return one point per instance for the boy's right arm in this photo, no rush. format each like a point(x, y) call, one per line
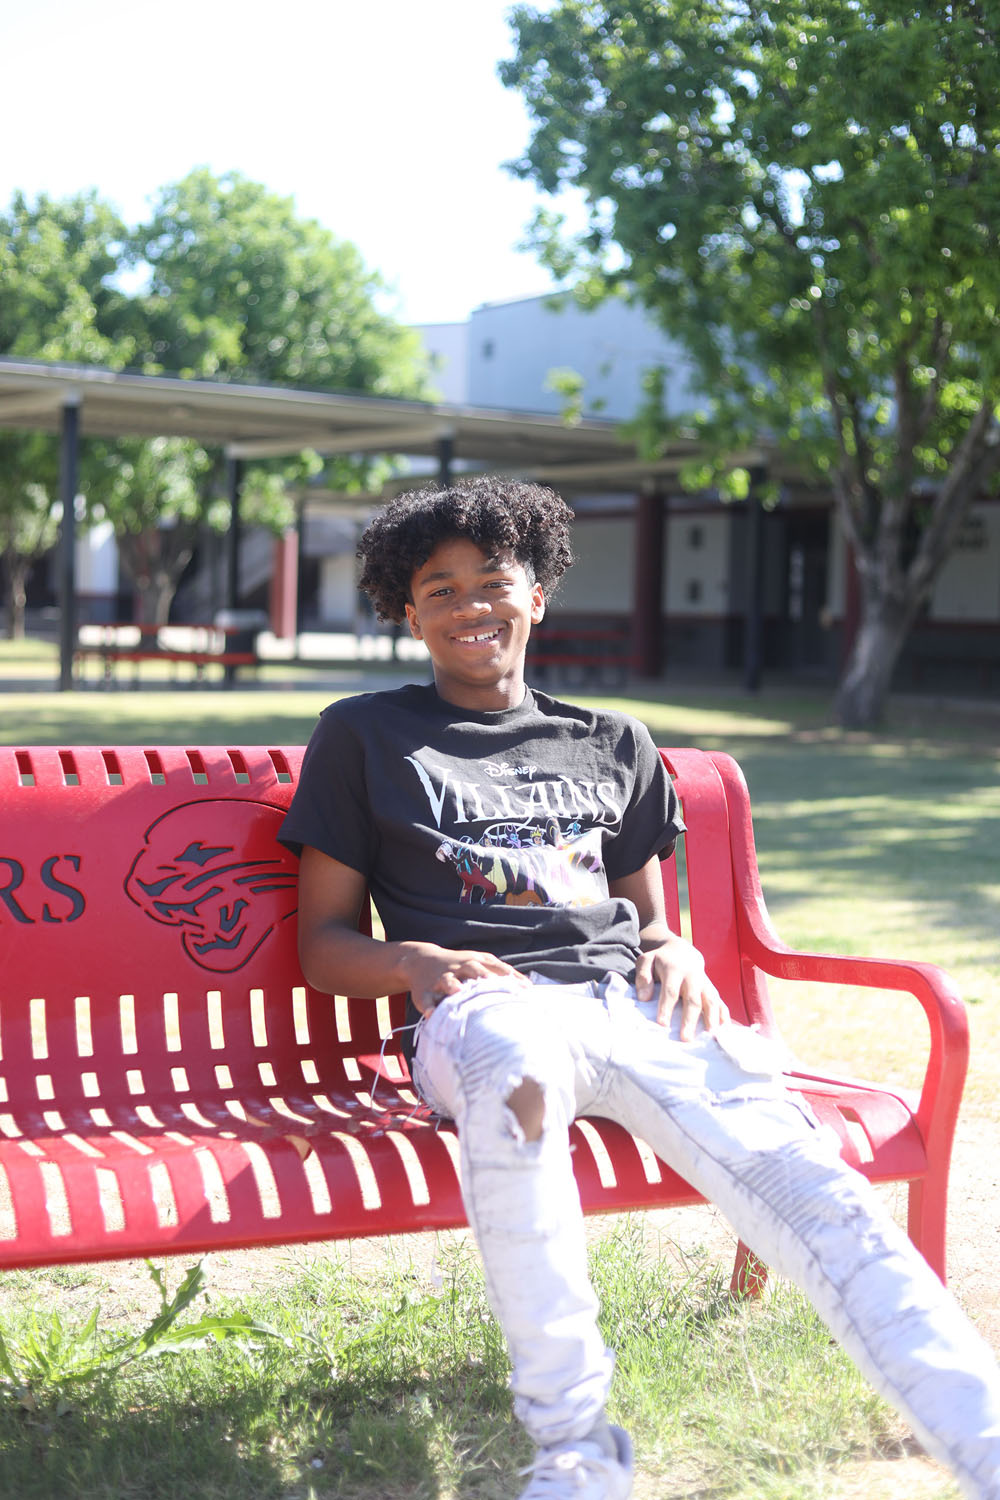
point(338, 959)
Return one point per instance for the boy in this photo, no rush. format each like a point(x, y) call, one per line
point(512, 844)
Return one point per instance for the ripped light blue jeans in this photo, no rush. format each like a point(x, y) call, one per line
point(715, 1110)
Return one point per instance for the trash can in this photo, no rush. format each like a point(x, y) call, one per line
point(243, 625)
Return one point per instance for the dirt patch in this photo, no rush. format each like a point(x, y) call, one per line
point(126, 1294)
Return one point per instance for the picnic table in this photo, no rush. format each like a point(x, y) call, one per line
point(197, 646)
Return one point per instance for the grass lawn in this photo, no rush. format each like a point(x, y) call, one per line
point(387, 1378)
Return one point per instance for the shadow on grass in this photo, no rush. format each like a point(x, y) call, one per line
point(916, 828)
point(154, 1452)
point(243, 1444)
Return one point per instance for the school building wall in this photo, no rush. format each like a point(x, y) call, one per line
point(805, 593)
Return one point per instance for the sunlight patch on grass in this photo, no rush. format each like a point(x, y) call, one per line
point(697, 720)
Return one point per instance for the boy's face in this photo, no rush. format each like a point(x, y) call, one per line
point(474, 613)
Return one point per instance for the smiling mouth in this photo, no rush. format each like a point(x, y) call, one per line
point(482, 639)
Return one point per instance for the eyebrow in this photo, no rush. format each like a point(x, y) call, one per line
point(491, 565)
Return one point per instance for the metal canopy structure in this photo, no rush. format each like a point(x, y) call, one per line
point(268, 421)
point(258, 422)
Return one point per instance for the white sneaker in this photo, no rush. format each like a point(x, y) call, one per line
point(583, 1470)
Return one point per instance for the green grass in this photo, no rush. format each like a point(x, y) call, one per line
point(31, 655)
point(388, 1383)
point(395, 1386)
point(199, 716)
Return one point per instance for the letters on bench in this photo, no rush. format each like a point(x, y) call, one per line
point(169, 1083)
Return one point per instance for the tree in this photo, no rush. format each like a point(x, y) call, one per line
point(242, 288)
point(29, 516)
point(149, 492)
point(161, 496)
point(237, 287)
point(806, 196)
point(58, 301)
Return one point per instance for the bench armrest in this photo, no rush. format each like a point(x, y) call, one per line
point(934, 990)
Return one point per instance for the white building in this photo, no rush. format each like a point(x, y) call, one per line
point(510, 355)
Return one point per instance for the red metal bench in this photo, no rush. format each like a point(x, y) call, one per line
point(197, 646)
point(163, 1063)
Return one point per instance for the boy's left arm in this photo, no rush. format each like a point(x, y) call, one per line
point(667, 959)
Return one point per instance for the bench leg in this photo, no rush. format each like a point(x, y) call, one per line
point(927, 1211)
point(749, 1276)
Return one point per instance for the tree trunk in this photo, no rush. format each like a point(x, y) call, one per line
point(154, 594)
point(154, 562)
point(15, 580)
point(864, 687)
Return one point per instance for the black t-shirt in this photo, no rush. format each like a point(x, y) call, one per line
point(491, 831)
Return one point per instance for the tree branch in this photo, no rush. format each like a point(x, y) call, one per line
point(940, 344)
point(976, 460)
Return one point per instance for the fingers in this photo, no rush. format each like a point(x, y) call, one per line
point(466, 966)
point(425, 1001)
point(691, 989)
point(701, 1003)
point(453, 970)
point(678, 968)
point(645, 979)
point(690, 1016)
point(719, 1015)
point(493, 965)
point(667, 1000)
point(672, 981)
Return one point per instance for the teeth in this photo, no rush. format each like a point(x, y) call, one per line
point(489, 635)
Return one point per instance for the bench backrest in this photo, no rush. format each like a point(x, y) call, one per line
point(143, 897)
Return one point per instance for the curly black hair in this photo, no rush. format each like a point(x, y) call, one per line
point(498, 514)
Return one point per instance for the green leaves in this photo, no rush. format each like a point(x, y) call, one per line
point(58, 294)
point(50, 1355)
point(240, 286)
point(822, 185)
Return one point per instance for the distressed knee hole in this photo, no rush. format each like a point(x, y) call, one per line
point(527, 1104)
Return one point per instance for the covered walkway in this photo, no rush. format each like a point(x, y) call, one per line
point(257, 422)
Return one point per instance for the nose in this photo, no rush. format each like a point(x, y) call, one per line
point(471, 606)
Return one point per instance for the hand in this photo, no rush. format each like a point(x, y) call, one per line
point(679, 970)
point(432, 973)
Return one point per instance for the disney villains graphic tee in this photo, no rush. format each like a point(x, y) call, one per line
point(497, 831)
point(491, 830)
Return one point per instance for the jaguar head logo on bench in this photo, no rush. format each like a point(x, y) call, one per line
point(215, 870)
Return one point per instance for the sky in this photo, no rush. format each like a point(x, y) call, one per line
point(383, 119)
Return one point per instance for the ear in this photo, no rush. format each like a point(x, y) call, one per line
point(413, 622)
point(537, 604)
